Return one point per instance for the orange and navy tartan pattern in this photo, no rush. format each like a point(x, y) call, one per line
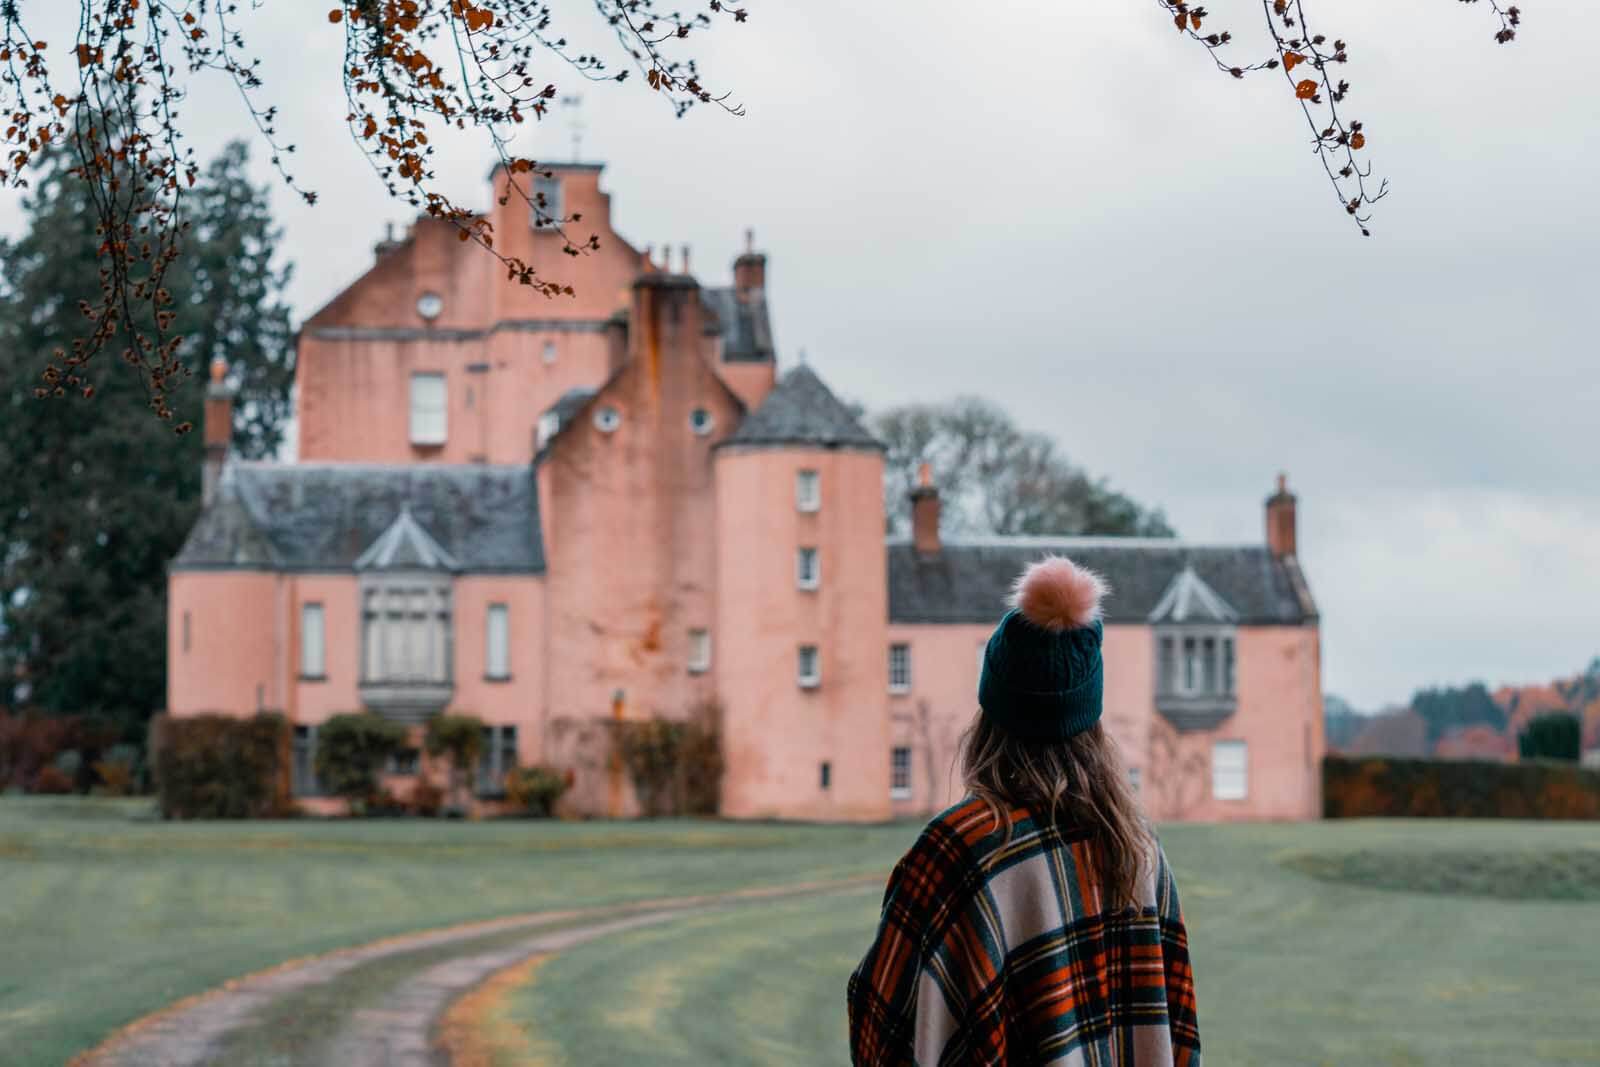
point(996, 951)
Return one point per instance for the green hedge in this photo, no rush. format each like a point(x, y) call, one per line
point(220, 766)
point(1378, 785)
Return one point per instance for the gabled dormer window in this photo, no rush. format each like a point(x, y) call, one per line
point(1196, 634)
point(407, 640)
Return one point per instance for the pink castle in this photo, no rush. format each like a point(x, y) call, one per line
point(551, 513)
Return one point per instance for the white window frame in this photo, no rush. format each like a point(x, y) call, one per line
point(813, 678)
point(808, 490)
point(497, 643)
point(1215, 664)
point(430, 414)
point(406, 631)
point(313, 641)
point(554, 209)
point(900, 772)
point(1230, 777)
point(699, 651)
point(903, 685)
point(808, 578)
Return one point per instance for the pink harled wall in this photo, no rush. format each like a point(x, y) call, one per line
point(1279, 717)
point(506, 351)
point(943, 699)
point(244, 650)
point(224, 652)
point(776, 734)
point(630, 542)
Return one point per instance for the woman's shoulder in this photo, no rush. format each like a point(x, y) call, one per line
point(974, 833)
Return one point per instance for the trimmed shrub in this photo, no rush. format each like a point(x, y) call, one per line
point(351, 752)
point(459, 739)
point(221, 767)
point(1553, 735)
point(426, 799)
point(535, 790)
point(30, 742)
point(116, 777)
point(118, 771)
point(1459, 789)
point(52, 780)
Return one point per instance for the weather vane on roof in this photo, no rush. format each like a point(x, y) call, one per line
point(575, 123)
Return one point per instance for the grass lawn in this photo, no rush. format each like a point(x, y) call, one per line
point(105, 916)
point(1292, 970)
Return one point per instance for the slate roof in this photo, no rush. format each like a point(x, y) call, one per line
point(800, 410)
point(967, 582)
point(326, 516)
point(746, 329)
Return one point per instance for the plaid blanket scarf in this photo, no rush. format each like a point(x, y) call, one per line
point(998, 952)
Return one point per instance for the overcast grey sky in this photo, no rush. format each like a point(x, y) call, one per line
point(1062, 207)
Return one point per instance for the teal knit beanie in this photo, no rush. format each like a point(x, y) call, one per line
point(1043, 677)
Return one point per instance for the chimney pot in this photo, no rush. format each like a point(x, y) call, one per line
point(1281, 533)
point(750, 269)
point(218, 429)
point(925, 509)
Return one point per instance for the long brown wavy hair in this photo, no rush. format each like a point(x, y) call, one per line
point(1078, 785)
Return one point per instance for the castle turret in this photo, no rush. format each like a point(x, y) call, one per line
point(802, 610)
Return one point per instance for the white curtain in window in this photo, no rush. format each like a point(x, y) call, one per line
point(407, 634)
point(1230, 770)
point(313, 653)
point(807, 491)
point(427, 409)
point(499, 642)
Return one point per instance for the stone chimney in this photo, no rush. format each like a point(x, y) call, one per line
point(925, 513)
point(218, 428)
point(750, 269)
point(1280, 520)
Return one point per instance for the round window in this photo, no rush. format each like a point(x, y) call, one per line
point(429, 305)
point(701, 422)
point(607, 419)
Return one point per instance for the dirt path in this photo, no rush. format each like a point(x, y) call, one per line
point(192, 1032)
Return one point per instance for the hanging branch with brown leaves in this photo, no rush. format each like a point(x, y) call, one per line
point(412, 68)
point(1334, 140)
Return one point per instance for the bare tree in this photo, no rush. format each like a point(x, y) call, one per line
point(411, 69)
point(996, 478)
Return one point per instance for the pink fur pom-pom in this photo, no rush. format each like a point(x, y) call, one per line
point(1057, 594)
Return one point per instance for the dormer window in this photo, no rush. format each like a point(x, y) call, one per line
point(1195, 638)
point(546, 212)
point(407, 642)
